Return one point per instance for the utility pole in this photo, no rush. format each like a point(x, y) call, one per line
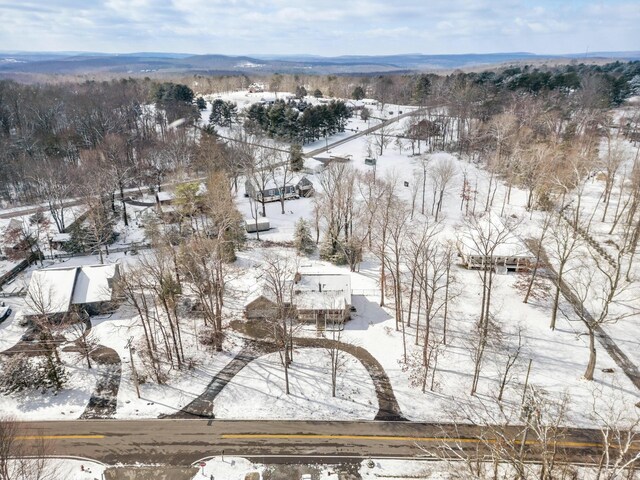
point(133, 367)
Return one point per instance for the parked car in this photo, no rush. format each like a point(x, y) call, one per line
point(4, 312)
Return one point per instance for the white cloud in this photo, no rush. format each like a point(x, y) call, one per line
point(312, 26)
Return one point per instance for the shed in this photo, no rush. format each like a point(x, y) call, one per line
point(59, 240)
point(252, 225)
point(304, 187)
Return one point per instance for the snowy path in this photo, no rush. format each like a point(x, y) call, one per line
point(202, 406)
point(104, 398)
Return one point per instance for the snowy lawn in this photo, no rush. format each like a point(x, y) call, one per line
point(258, 391)
point(228, 468)
point(68, 403)
point(558, 358)
point(180, 388)
point(65, 468)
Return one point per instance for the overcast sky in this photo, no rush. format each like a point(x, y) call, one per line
point(324, 27)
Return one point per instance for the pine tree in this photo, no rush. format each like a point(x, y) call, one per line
point(295, 157)
point(302, 239)
point(358, 93)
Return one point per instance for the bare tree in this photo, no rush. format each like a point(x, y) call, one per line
point(564, 242)
point(443, 172)
point(620, 429)
point(279, 273)
point(604, 289)
point(337, 358)
point(22, 458)
point(484, 237)
point(505, 445)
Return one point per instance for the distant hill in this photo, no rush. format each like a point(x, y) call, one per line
point(146, 62)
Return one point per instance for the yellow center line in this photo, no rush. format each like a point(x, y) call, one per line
point(313, 436)
point(58, 437)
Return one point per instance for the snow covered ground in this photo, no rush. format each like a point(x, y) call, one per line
point(258, 391)
point(63, 468)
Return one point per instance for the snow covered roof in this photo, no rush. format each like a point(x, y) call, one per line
point(165, 196)
point(54, 290)
point(94, 284)
point(50, 290)
point(321, 291)
point(61, 237)
point(252, 221)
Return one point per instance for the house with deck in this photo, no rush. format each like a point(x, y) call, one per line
point(498, 249)
point(322, 299)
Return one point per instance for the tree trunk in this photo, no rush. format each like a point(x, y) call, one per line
point(591, 366)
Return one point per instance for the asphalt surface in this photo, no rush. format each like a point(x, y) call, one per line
point(367, 131)
point(182, 442)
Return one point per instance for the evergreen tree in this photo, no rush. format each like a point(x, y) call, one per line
point(302, 239)
point(301, 91)
point(422, 88)
point(358, 93)
point(201, 103)
point(223, 113)
point(295, 157)
point(317, 93)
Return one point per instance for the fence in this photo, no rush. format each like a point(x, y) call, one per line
point(126, 248)
point(13, 273)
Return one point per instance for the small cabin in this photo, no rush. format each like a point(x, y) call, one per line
point(60, 240)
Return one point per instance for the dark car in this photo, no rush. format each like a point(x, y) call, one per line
point(4, 313)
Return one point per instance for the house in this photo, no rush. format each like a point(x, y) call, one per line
point(317, 298)
point(256, 87)
point(304, 187)
point(57, 291)
point(270, 191)
point(322, 298)
point(509, 255)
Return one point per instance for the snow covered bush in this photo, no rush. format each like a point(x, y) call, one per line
point(302, 240)
point(20, 372)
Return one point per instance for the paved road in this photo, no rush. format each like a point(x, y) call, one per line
point(182, 442)
point(72, 202)
point(367, 131)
